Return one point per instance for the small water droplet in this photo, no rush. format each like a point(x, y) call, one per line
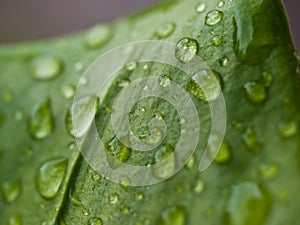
point(50, 176)
point(249, 138)
point(78, 66)
point(95, 176)
point(268, 78)
point(123, 83)
point(165, 30)
point(288, 129)
point(15, 219)
point(41, 124)
point(221, 4)
point(213, 17)
point(45, 67)
point(175, 215)
point(131, 66)
point(83, 81)
point(8, 96)
point(145, 67)
point(68, 91)
point(164, 81)
point(125, 182)
point(95, 221)
point(153, 137)
point(139, 196)
point(124, 209)
point(97, 36)
point(11, 190)
point(217, 40)
point(186, 49)
point(224, 61)
point(200, 7)
point(113, 199)
point(165, 162)
point(18, 115)
point(223, 154)
point(268, 171)
point(256, 92)
point(248, 204)
point(199, 186)
point(191, 162)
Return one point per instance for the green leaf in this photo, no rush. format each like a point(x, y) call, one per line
point(255, 179)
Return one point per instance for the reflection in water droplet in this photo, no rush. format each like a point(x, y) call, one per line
point(268, 171)
point(41, 124)
point(248, 204)
point(45, 67)
point(78, 66)
point(256, 92)
point(165, 30)
point(97, 36)
point(288, 129)
point(217, 40)
point(11, 190)
point(95, 221)
point(50, 176)
point(68, 91)
point(250, 140)
point(200, 8)
point(165, 162)
point(186, 49)
point(15, 219)
point(213, 17)
point(175, 215)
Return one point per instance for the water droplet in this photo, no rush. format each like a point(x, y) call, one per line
point(224, 61)
point(268, 78)
point(223, 154)
point(213, 17)
point(139, 196)
point(191, 162)
point(200, 8)
point(8, 96)
point(41, 124)
point(95, 176)
point(18, 115)
point(68, 91)
point(256, 92)
point(113, 199)
point(95, 221)
point(125, 182)
point(118, 150)
point(165, 30)
point(124, 209)
point(248, 204)
point(221, 4)
point(186, 49)
point(250, 140)
point(217, 40)
point(131, 66)
point(123, 83)
point(69, 123)
point(97, 36)
point(50, 176)
point(153, 137)
point(268, 171)
point(165, 162)
point(164, 81)
point(15, 219)
point(11, 190)
point(199, 186)
point(45, 67)
point(175, 215)
point(78, 66)
point(288, 129)
point(83, 114)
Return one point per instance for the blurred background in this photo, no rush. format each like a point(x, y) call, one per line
point(35, 19)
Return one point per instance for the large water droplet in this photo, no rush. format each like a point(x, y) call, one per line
point(50, 176)
point(248, 204)
point(95, 221)
point(97, 36)
point(165, 162)
point(268, 171)
point(175, 215)
point(250, 140)
point(11, 190)
point(288, 129)
point(165, 30)
point(223, 154)
point(200, 7)
point(46, 67)
point(15, 219)
point(41, 124)
point(213, 17)
point(255, 92)
point(186, 49)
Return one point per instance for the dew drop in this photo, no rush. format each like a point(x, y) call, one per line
point(78, 66)
point(50, 176)
point(95, 176)
point(15, 219)
point(268, 171)
point(249, 138)
point(221, 4)
point(124, 209)
point(97, 36)
point(95, 221)
point(125, 182)
point(256, 92)
point(18, 115)
point(288, 129)
point(45, 67)
point(11, 190)
point(248, 204)
point(186, 49)
point(191, 163)
point(199, 186)
point(213, 17)
point(200, 8)
point(224, 61)
point(165, 162)
point(131, 66)
point(165, 30)
point(268, 78)
point(175, 215)
point(113, 199)
point(217, 40)
point(223, 154)
point(68, 91)
point(139, 196)
point(164, 81)
point(118, 150)
point(41, 124)
point(8, 96)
